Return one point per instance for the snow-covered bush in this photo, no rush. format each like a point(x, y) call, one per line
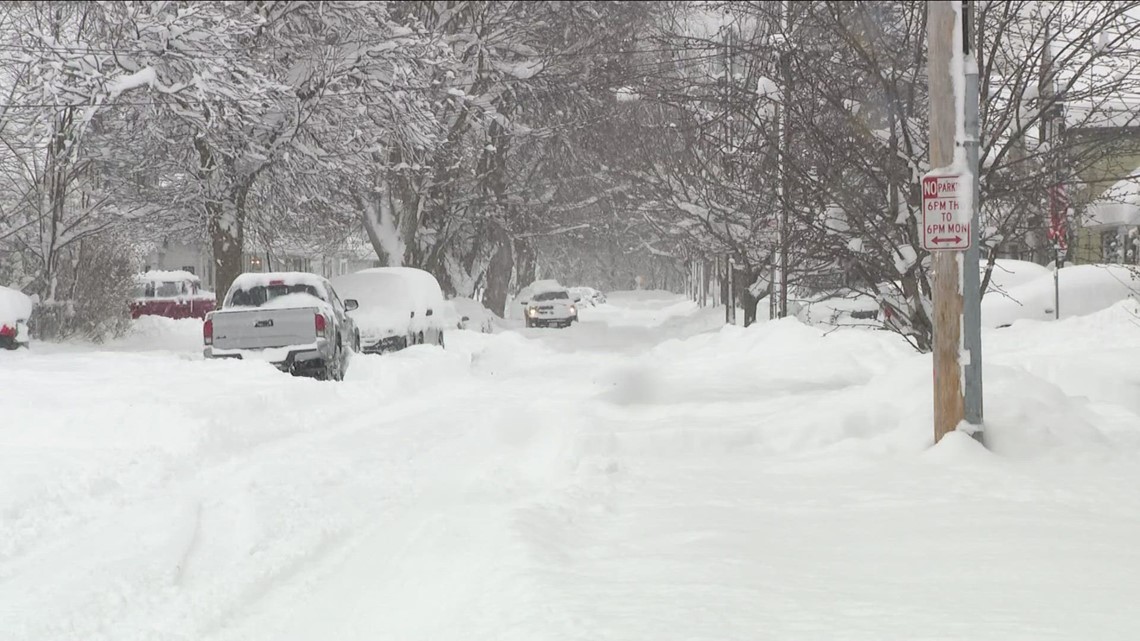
point(91, 295)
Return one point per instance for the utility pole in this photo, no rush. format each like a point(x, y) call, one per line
point(729, 292)
point(786, 71)
point(778, 307)
point(728, 154)
point(948, 55)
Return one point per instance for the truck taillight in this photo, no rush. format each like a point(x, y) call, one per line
point(320, 320)
point(5, 330)
point(208, 332)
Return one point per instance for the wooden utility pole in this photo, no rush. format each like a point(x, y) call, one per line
point(949, 402)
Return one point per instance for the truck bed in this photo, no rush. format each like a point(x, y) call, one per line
point(253, 328)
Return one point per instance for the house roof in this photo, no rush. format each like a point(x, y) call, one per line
point(1116, 113)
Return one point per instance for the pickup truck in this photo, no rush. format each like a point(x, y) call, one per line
point(295, 321)
point(547, 304)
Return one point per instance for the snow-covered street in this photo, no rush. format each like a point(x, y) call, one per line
point(646, 474)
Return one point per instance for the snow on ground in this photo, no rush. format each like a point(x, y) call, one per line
point(645, 474)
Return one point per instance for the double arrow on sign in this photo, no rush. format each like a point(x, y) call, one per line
point(940, 241)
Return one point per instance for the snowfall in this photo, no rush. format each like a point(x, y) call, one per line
point(647, 474)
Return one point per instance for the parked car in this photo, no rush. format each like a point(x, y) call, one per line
point(296, 321)
point(587, 296)
point(15, 310)
point(469, 314)
point(399, 306)
point(547, 304)
point(173, 294)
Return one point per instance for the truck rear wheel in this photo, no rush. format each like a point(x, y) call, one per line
point(334, 368)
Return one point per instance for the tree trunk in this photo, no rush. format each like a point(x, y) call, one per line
point(499, 273)
point(747, 299)
point(378, 226)
point(226, 225)
point(526, 269)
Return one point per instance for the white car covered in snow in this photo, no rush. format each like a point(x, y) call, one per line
point(545, 303)
point(469, 314)
point(294, 320)
point(15, 310)
point(587, 296)
point(399, 306)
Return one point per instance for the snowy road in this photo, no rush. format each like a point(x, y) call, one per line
point(643, 475)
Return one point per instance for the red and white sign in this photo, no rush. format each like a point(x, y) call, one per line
point(945, 223)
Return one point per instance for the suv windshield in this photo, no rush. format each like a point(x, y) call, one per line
point(258, 296)
point(552, 296)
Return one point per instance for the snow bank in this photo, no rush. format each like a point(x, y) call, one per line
point(158, 333)
point(1008, 273)
point(1085, 289)
point(846, 309)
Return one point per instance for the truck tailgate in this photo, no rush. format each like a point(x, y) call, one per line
point(262, 328)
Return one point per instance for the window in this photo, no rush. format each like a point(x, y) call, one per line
point(562, 295)
point(1110, 247)
point(258, 296)
point(189, 268)
point(335, 300)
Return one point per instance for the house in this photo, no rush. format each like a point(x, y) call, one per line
point(190, 252)
point(1106, 203)
point(1110, 224)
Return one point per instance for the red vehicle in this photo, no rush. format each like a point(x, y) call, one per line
point(173, 294)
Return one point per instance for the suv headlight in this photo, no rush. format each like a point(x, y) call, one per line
point(573, 310)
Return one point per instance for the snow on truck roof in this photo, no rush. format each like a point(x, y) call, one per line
point(249, 280)
point(543, 286)
point(165, 276)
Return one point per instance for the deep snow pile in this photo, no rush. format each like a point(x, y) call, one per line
point(642, 475)
point(1084, 289)
point(1007, 273)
